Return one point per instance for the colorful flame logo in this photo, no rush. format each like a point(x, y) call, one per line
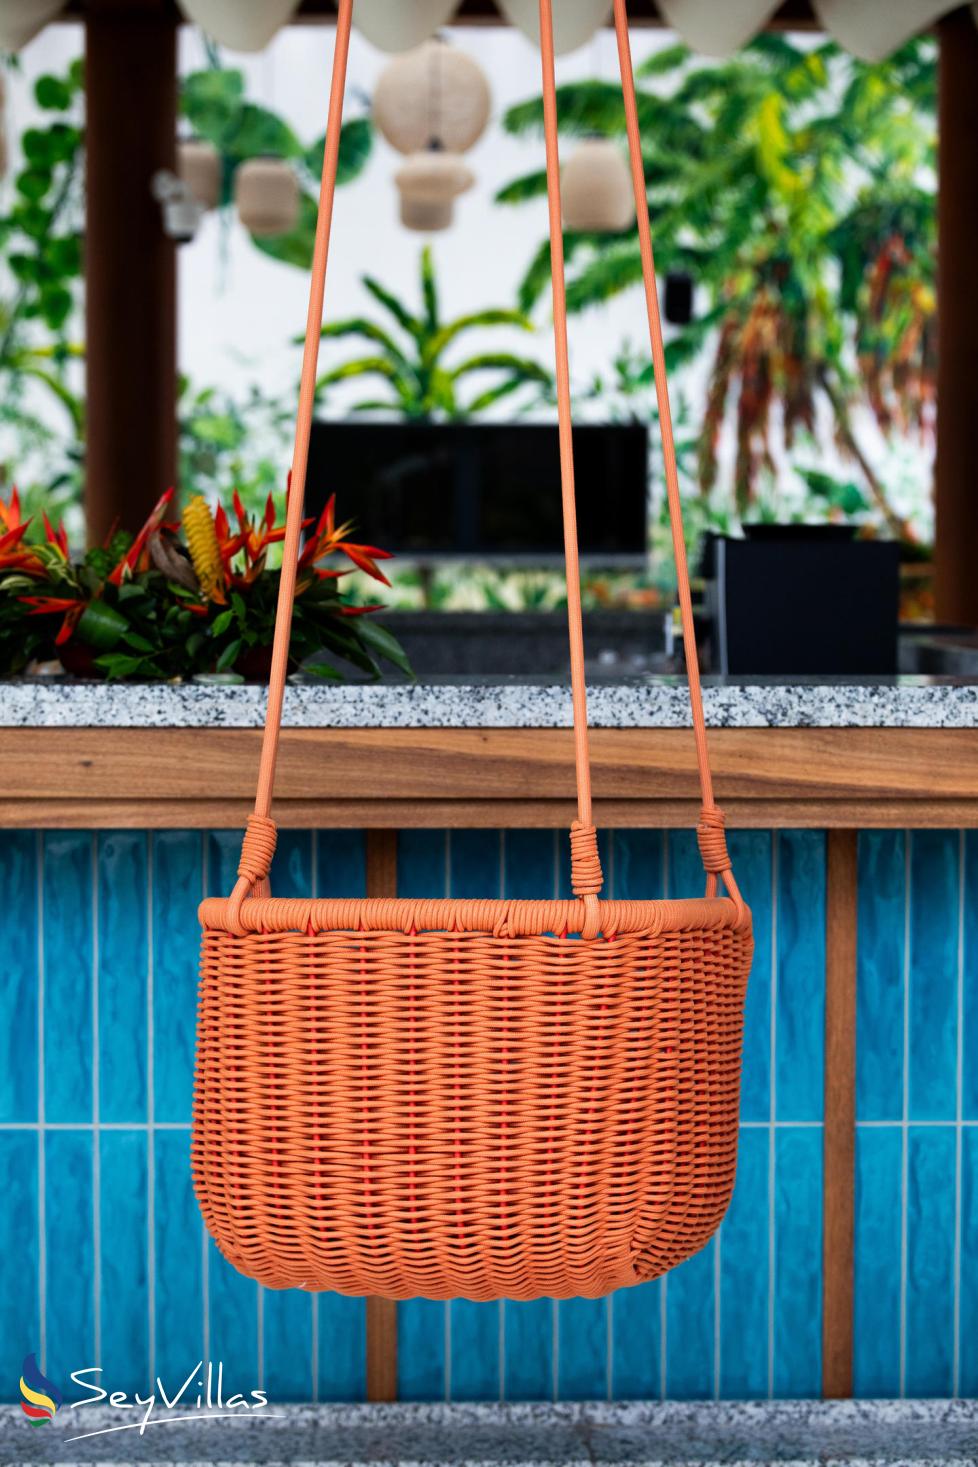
point(41, 1397)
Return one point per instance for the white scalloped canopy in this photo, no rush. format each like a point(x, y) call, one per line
point(242, 25)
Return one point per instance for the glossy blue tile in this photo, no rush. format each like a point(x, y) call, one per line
point(421, 1356)
point(19, 975)
point(68, 956)
point(124, 1277)
point(475, 1336)
point(342, 1348)
point(422, 870)
point(475, 863)
point(690, 1343)
point(422, 863)
point(341, 868)
point(177, 866)
point(798, 1262)
point(528, 1350)
point(179, 1251)
point(684, 865)
point(232, 1314)
point(876, 1284)
point(636, 865)
point(934, 885)
point(969, 1037)
point(967, 1382)
point(69, 1251)
point(222, 852)
point(123, 959)
point(20, 1320)
point(529, 863)
point(745, 1273)
point(287, 1343)
point(750, 853)
point(582, 1349)
point(636, 1343)
point(880, 962)
point(292, 867)
point(930, 1261)
point(800, 975)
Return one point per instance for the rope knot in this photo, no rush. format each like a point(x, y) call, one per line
point(713, 841)
point(257, 848)
point(586, 877)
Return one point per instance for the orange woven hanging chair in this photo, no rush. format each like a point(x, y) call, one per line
point(475, 1099)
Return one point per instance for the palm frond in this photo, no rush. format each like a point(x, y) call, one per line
point(530, 370)
point(429, 289)
point(389, 301)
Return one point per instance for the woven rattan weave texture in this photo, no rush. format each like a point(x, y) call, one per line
point(463, 1098)
point(469, 1114)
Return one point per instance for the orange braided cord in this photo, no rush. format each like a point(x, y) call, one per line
point(586, 877)
point(257, 848)
point(712, 840)
point(468, 1114)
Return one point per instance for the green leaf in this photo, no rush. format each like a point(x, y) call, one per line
point(295, 247)
point(229, 655)
point(221, 623)
point(53, 94)
point(322, 669)
point(429, 289)
point(356, 144)
point(101, 626)
point(383, 643)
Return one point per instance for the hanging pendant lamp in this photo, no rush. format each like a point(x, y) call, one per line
point(429, 184)
point(873, 29)
point(393, 25)
point(575, 21)
point(266, 193)
point(20, 20)
point(435, 96)
point(596, 189)
point(242, 25)
point(715, 29)
point(199, 167)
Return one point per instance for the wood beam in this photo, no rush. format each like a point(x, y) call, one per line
point(839, 1115)
point(790, 15)
point(130, 265)
point(956, 545)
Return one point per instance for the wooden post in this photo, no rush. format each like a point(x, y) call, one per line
point(839, 1133)
point(130, 265)
point(381, 1313)
point(956, 548)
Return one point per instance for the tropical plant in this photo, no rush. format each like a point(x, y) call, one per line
point(408, 354)
point(795, 185)
point(214, 103)
point(153, 606)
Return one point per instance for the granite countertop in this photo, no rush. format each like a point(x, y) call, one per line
point(647, 701)
point(634, 1434)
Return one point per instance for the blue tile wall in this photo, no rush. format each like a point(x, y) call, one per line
point(103, 1258)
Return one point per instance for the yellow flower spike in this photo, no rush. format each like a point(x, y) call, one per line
point(205, 553)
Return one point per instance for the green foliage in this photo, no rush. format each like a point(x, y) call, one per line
point(796, 185)
point(408, 355)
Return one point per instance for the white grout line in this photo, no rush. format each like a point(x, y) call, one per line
point(905, 1111)
point(96, 1112)
point(772, 1112)
point(959, 1133)
point(150, 1115)
point(42, 1253)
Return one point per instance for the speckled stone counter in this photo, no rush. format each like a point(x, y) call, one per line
point(638, 702)
point(735, 1434)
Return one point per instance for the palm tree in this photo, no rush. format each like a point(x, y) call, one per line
point(793, 185)
point(409, 355)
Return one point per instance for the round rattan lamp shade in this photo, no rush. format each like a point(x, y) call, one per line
point(199, 167)
point(596, 189)
point(429, 184)
point(433, 95)
point(266, 193)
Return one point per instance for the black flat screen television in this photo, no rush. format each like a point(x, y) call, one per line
point(488, 491)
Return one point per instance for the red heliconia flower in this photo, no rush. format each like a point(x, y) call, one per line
point(58, 538)
point(49, 605)
point(156, 521)
point(328, 537)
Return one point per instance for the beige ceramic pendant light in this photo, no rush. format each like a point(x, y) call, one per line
point(242, 25)
point(596, 189)
point(199, 167)
point(266, 193)
point(400, 25)
point(575, 21)
point(20, 20)
point(432, 104)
